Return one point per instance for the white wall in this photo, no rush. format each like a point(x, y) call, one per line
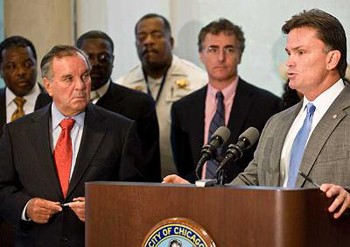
point(261, 21)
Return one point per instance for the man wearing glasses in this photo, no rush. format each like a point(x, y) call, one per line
point(227, 100)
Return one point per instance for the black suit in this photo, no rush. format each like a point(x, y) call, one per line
point(252, 107)
point(141, 108)
point(108, 151)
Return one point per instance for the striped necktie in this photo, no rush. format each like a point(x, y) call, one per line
point(19, 112)
point(217, 121)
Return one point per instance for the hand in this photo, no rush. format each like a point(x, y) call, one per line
point(174, 179)
point(341, 201)
point(40, 210)
point(79, 207)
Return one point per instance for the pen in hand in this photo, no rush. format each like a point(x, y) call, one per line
point(307, 178)
point(69, 203)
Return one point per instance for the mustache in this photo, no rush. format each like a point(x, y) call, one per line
point(148, 50)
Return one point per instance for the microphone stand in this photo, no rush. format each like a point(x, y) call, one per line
point(221, 177)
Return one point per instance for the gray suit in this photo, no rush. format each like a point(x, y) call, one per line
point(326, 158)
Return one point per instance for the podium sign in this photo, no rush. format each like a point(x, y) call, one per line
point(122, 214)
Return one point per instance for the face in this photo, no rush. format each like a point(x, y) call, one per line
point(101, 58)
point(153, 44)
point(307, 62)
point(18, 69)
point(220, 56)
point(71, 84)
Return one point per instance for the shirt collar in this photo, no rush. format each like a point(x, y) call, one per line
point(57, 117)
point(30, 97)
point(228, 91)
point(103, 90)
point(325, 99)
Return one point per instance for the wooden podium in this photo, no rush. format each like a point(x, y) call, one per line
point(121, 214)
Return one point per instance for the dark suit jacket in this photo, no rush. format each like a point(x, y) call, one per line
point(3, 107)
point(141, 108)
point(252, 107)
point(109, 151)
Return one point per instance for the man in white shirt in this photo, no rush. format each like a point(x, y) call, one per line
point(18, 68)
point(162, 75)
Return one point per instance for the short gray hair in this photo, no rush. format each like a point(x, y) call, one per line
point(59, 51)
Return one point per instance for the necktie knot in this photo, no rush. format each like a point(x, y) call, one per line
point(219, 96)
point(67, 124)
point(310, 108)
point(19, 101)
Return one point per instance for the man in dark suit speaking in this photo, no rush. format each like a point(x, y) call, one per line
point(47, 156)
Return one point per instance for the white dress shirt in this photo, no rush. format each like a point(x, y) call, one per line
point(28, 107)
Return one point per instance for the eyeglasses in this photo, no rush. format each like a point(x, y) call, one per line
point(214, 50)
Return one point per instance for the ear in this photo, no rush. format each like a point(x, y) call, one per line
point(112, 61)
point(202, 57)
point(240, 58)
point(333, 58)
point(48, 86)
point(172, 42)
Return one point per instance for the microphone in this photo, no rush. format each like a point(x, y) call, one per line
point(235, 151)
point(217, 140)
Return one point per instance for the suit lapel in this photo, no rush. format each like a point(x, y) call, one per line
point(322, 131)
point(40, 135)
point(280, 133)
point(239, 111)
point(196, 118)
point(93, 133)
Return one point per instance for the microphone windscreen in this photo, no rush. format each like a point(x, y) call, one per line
point(251, 134)
point(222, 132)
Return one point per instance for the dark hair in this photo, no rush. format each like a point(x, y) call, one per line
point(166, 25)
point(225, 26)
point(59, 51)
point(16, 41)
point(94, 34)
point(329, 30)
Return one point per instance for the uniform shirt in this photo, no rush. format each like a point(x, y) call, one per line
point(182, 79)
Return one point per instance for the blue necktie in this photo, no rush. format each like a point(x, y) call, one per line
point(217, 121)
point(299, 144)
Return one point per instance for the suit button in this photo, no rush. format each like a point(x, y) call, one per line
point(65, 239)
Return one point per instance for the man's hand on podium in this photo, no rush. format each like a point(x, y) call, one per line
point(341, 201)
point(174, 179)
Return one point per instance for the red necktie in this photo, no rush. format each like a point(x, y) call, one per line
point(63, 154)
